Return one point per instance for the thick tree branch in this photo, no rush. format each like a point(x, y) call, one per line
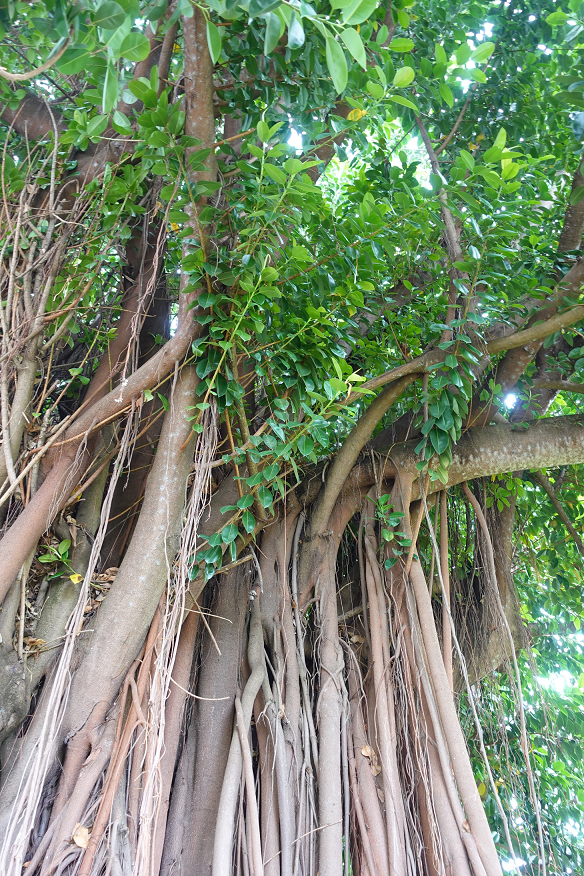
point(498, 449)
point(573, 227)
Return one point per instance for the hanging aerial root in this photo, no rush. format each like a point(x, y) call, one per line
point(28, 776)
point(524, 737)
point(441, 693)
point(169, 642)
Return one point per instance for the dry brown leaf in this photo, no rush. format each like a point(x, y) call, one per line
point(33, 644)
point(381, 795)
point(466, 825)
point(80, 836)
point(374, 765)
point(357, 640)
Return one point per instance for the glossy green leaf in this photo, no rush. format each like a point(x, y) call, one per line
point(401, 44)
point(403, 101)
point(483, 52)
point(463, 53)
point(110, 89)
point(358, 11)
point(577, 195)
point(354, 43)
point(135, 47)
point(273, 32)
point(440, 54)
point(265, 496)
point(478, 75)
point(446, 94)
point(121, 123)
point(214, 41)
point(305, 445)
point(296, 35)
point(337, 64)
point(74, 60)
point(109, 15)
point(404, 77)
point(248, 521)
point(261, 7)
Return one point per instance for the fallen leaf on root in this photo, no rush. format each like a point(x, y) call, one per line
point(374, 764)
point(32, 644)
point(466, 825)
point(80, 836)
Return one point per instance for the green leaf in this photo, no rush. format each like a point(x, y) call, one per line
point(261, 7)
point(305, 445)
point(121, 123)
point(275, 173)
point(440, 54)
point(301, 254)
point(404, 77)
point(245, 501)
point(265, 497)
point(358, 11)
point(468, 159)
point(463, 53)
point(75, 59)
point(483, 52)
point(354, 43)
point(109, 15)
point(401, 44)
point(135, 47)
point(446, 94)
point(577, 195)
point(213, 41)
point(554, 19)
point(403, 101)
point(296, 35)
point(375, 89)
point(337, 64)
point(477, 75)
point(273, 32)
point(248, 521)
point(263, 130)
point(110, 89)
point(500, 139)
point(229, 533)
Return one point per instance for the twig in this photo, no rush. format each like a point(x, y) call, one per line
point(23, 77)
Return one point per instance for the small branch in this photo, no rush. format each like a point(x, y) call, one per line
point(452, 240)
point(456, 125)
point(24, 77)
point(557, 385)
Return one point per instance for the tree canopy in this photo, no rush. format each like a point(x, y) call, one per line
point(292, 437)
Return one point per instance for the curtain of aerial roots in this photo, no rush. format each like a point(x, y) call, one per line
point(259, 735)
point(119, 790)
point(343, 751)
